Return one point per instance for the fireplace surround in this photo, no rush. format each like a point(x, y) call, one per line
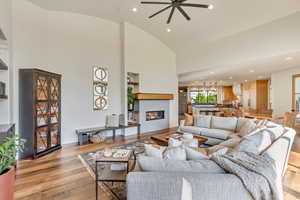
point(153, 115)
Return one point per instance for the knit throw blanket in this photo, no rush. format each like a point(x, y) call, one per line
point(257, 173)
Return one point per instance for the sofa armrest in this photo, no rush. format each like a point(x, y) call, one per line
point(168, 186)
point(181, 123)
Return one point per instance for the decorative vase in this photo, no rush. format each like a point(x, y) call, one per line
point(130, 107)
point(7, 181)
point(108, 152)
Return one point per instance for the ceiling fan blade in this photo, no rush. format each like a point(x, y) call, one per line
point(153, 2)
point(194, 5)
point(171, 15)
point(166, 8)
point(183, 13)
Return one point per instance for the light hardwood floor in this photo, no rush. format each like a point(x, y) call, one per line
point(61, 175)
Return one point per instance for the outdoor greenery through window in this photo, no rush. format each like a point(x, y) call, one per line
point(204, 97)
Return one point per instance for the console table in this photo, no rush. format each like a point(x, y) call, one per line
point(92, 131)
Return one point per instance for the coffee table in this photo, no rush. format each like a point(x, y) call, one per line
point(163, 139)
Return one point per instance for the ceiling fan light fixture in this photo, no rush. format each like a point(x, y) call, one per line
point(134, 9)
point(169, 30)
point(176, 5)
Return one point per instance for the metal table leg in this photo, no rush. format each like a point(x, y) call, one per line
point(96, 180)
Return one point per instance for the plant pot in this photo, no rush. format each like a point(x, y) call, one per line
point(7, 181)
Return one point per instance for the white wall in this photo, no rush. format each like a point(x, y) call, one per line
point(282, 90)
point(69, 44)
point(156, 64)
point(5, 25)
point(276, 38)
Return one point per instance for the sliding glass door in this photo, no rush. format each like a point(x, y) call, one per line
point(296, 92)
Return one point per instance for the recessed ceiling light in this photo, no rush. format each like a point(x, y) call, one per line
point(169, 30)
point(251, 71)
point(134, 9)
point(230, 77)
point(246, 80)
point(210, 7)
point(289, 58)
point(211, 72)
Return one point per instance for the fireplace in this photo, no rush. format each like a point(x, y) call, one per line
point(155, 115)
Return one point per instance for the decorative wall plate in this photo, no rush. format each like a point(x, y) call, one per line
point(100, 88)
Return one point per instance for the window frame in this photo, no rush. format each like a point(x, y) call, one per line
point(206, 92)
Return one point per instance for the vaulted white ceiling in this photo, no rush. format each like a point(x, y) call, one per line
point(228, 17)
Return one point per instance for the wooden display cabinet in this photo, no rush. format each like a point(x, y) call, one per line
point(40, 111)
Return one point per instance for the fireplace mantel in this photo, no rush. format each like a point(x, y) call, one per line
point(153, 96)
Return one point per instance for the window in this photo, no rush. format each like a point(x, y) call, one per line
point(204, 96)
point(100, 88)
point(296, 92)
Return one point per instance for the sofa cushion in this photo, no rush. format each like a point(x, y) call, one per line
point(216, 133)
point(241, 121)
point(191, 129)
point(203, 121)
point(225, 123)
point(151, 164)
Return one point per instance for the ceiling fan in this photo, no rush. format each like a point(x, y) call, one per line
point(176, 4)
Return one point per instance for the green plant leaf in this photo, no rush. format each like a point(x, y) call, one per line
point(8, 152)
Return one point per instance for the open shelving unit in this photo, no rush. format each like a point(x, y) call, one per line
point(133, 83)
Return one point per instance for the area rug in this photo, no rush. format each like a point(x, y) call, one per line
point(116, 190)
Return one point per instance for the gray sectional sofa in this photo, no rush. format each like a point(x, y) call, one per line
point(164, 181)
point(215, 129)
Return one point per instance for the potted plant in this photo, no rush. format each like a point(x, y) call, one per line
point(8, 153)
point(130, 98)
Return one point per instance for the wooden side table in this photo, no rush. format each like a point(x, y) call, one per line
point(103, 172)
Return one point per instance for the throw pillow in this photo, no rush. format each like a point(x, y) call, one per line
point(174, 142)
point(154, 151)
point(188, 120)
point(220, 152)
point(203, 121)
point(174, 153)
point(241, 122)
point(190, 142)
point(247, 145)
point(187, 193)
point(192, 154)
point(217, 150)
point(231, 143)
point(247, 128)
